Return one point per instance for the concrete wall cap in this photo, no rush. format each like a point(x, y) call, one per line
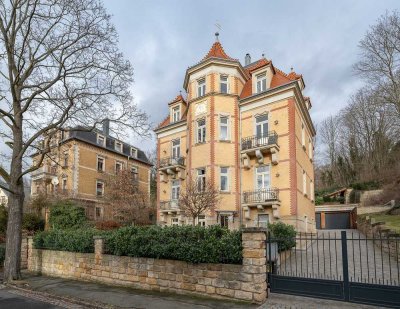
point(254, 230)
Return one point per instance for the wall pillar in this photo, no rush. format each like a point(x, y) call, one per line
point(29, 249)
point(98, 248)
point(255, 262)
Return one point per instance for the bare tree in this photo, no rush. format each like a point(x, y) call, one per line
point(380, 58)
point(128, 203)
point(329, 132)
point(197, 197)
point(59, 66)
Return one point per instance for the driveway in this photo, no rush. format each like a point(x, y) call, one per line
point(12, 300)
point(320, 257)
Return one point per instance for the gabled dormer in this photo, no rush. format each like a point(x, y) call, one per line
point(176, 109)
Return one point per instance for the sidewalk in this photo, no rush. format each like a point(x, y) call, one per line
point(104, 296)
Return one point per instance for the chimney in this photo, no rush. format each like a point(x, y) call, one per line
point(106, 127)
point(247, 59)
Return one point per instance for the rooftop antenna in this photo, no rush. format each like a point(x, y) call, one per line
point(219, 28)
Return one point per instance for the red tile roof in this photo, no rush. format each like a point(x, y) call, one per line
point(177, 99)
point(164, 123)
point(217, 51)
point(256, 65)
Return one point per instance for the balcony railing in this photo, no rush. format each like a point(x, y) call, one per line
point(260, 196)
point(257, 141)
point(45, 170)
point(169, 205)
point(172, 161)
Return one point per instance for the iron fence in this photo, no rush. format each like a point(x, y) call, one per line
point(256, 141)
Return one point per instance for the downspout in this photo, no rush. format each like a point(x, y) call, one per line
point(240, 168)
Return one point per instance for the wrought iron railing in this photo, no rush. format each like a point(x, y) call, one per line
point(255, 141)
point(172, 161)
point(167, 205)
point(46, 169)
point(262, 195)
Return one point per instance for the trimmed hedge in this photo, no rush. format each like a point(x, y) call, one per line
point(79, 240)
point(284, 234)
point(193, 244)
point(67, 215)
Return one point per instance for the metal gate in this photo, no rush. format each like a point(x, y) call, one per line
point(338, 265)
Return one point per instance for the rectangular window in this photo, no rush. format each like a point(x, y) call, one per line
point(224, 128)
point(176, 114)
point(304, 183)
point(65, 159)
point(99, 188)
point(64, 185)
point(263, 180)
point(98, 212)
point(201, 220)
point(176, 148)
point(201, 87)
point(310, 148)
point(174, 221)
point(224, 220)
point(201, 131)
point(224, 84)
point(101, 140)
point(263, 220)
point(262, 126)
point(101, 164)
point(133, 153)
point(311, 190)
point(119, 166)
point(118, 146)
point(175, 188)
point(201, 179)
point(224, 180)
point(261, 82)
point(134, 171)
point(303, 136)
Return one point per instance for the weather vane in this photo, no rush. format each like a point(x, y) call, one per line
point(218, 26)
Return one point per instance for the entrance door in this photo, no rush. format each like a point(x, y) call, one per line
point(263, 182)
point(262, 130)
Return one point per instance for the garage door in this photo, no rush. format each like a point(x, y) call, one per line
point(338, 220)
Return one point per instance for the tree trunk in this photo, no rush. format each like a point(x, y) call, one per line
point(194, 221)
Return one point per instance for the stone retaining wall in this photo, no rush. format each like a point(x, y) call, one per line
point(241, 282)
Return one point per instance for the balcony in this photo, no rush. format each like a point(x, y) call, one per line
point(169, 206)
point(174, 166)
point(261, 199)
point(44, 173)
point(258, 146)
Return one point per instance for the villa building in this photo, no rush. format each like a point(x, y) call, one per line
point(80, 162)
point(247, 128)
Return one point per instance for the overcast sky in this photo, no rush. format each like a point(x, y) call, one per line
point(318, 38)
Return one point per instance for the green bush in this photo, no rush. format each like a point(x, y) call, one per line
point(3, 219)
point(319, 200)
point(32, 223)
point(67, 215)
point(2, 254)
point(283, 234)
point(77, 240)
point(192, 244)
point(367, 185)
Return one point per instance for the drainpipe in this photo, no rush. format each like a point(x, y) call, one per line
point(240, 168)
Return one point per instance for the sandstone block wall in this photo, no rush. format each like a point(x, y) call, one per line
point(245, 282)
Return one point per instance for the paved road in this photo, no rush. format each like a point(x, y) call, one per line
point(323, 259)
point(10, 300)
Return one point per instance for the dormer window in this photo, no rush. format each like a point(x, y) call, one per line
point(224, 84)
point(261, 82)
point(118, 146)
point(176, 114)
point(201, 87)
point(101, 140)
point(133, 153)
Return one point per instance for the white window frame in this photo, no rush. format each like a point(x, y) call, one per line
point(134, 152)
point(201, 87)
point(176, 113)
point(174, 221)
point(224, 82)
point(310, 148)
point(65, 158)
point(102, 193)
point(119, 163)
point(121, 148)
point(265, 223)
point(201, 220)
point(262, 174)
point(95, 212)
point(221, 221)
point(304, 183)
point(311, 190)
point(224, 174)
point(104, 164)
point(226, 125)
point(176, 149)
point(175, 190)
point(303, 136)
point(201, 179)
point(135, 172)
point(261, 82)
point(261, 124)
point(99, 136)
point(201, 131)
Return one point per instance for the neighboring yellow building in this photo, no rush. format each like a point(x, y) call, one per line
point(80, 162)
point(248, 129)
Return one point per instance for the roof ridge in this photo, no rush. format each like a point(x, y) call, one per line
point(217, 51)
